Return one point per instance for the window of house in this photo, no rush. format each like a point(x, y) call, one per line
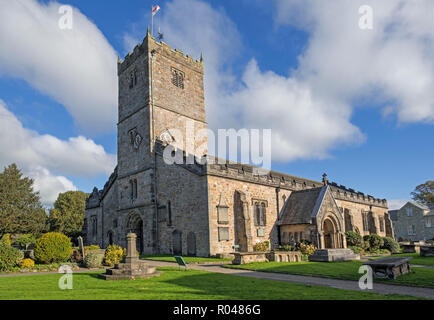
point(223, 234)
point(260, 211)
point(428, 222)
point(115, 223)
point(411, 230)
point(178, 78)
point(85, 226)
point(409, 212)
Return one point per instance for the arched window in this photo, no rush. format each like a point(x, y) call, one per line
point(260, 210)
point(178, 78)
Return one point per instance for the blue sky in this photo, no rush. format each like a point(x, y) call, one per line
point(375, 145)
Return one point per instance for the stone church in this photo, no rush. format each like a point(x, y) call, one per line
point(204, 208)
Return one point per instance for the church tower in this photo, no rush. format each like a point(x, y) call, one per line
point(161, 97)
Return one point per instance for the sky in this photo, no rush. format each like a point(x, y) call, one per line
point(355, 103)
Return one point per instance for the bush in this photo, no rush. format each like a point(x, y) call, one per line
point(306, 249)
point(375, 241)
point(6, 239)
point(93, 260)
point(391, 244)
point(76, 256)
point(353, 239)
point(53, 247)
point(27, 264)
point(9, 257)
point(25, 240)
point(285, 247)
point(114, 254)
point(261, 246)
point(357, 250)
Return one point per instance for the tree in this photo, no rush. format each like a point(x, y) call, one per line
point(67, 216)
point(424, 193)
point(20, 208)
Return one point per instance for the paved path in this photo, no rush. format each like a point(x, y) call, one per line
point(307, 280)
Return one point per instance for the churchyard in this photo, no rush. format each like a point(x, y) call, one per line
point(172, 283)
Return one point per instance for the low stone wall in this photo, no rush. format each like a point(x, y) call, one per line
point(284, 256)
point(277, 256)
point(249, 257)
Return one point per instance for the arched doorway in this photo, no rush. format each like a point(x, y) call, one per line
point(329, 234)
point(191, 244)
point(135, 225)
point(177, 242)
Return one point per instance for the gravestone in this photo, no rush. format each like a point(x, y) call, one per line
point(389, 267)
point(80, 246)
point(133, 268)
point(332, 255)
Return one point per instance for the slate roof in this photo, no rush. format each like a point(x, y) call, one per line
point(419, 205)
point(302, 206)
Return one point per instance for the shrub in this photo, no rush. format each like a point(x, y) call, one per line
point(353, 239)
point(25, 240)
point(306, 249)
point(76, 256)
point(9, 257)
point(6, 239)
point(357, 250)
point(391, 244)
point(285, 247)
point(261, 246)
point(27, 264)
point(114, 254)
point(53, 247)
point(375, 241)
point(93, 260)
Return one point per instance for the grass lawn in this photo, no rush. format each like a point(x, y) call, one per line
point(173, 285)
point(420, 277)
point(170, 258)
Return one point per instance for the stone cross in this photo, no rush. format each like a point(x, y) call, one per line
point(131, 248)
point(81, 246)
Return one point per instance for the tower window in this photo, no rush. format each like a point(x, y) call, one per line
point(133, 79)
point(178, 78)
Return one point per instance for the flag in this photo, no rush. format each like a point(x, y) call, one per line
point(155, 10)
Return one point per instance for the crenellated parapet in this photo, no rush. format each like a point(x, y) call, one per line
point(150, 43)
point(95, 198)
point(341, 192)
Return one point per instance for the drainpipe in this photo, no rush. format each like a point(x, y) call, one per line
point(154, 182)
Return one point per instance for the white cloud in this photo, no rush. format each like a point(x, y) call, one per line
point(49, 185)
point(310, 109)
point(391, 64)
point(396, 204)
point(77, 67)
point(46, 158)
